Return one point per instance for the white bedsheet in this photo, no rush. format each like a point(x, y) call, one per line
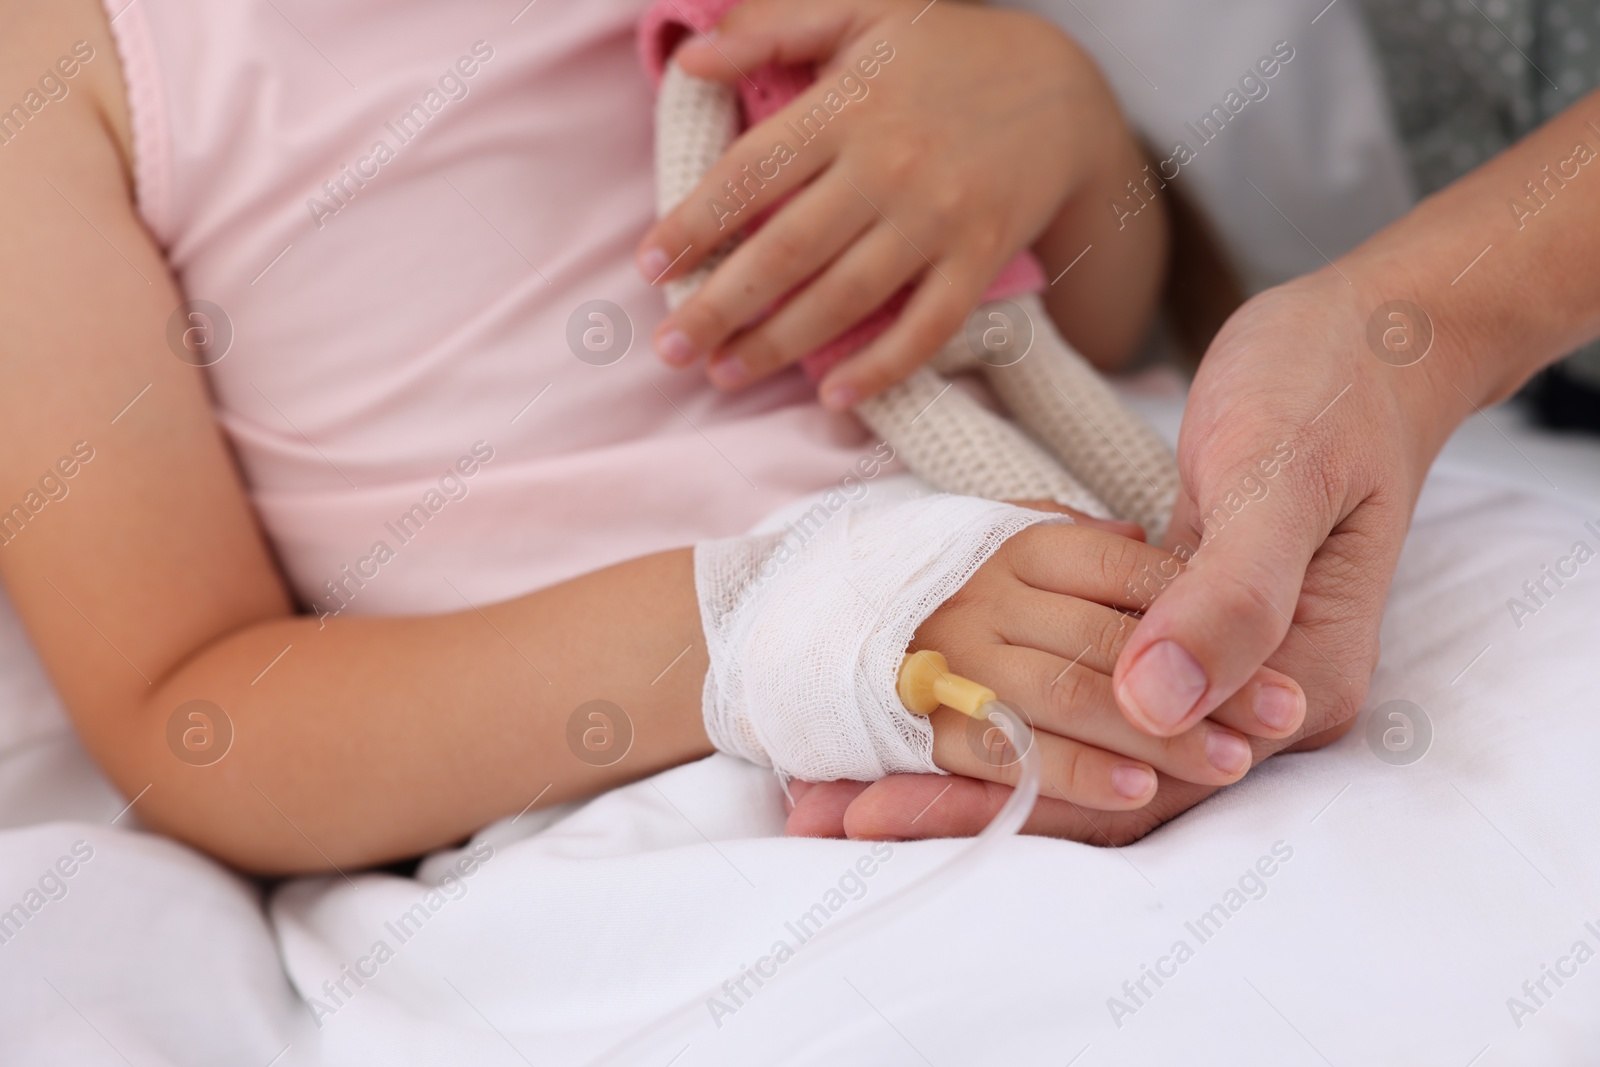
point(1417, 899)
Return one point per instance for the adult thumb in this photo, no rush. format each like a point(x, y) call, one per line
point(1208, 628)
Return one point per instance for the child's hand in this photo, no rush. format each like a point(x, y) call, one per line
point(1032, 624)
point(953, 136)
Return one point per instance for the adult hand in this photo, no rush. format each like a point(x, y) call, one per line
point(1298, 499)
point(1043, 620)
point(1358, 374)
point(1304, 446)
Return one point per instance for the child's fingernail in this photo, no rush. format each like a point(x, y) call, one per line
point(676, 348)
point(1228, 753)
point(652, 263)
point(1163, 685)
point(1277, 706)
point(729, 373)
point(838, 398)
point(1132, 782)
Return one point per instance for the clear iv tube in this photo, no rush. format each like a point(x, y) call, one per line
point(1007, 821)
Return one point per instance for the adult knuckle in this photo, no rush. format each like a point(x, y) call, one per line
point(1318, 491)
point(1343, 706)
point(1242, 609)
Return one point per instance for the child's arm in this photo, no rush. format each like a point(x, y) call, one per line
point(978, 134)
point(133, 557)
point(136, 564)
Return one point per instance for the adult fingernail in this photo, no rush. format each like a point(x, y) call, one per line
point(838, 398)
point(1228, 753)
point(1163, 685)
point(676, 348)
point(1277, 706)
point(652, 262)
point(1131, 781)
point(729, 373)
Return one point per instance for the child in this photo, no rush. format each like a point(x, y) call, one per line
point(396, 230)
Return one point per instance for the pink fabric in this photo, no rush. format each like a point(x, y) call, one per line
point(762, 93)
point(376, 344)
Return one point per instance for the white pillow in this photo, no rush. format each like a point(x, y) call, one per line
point(1319, 146)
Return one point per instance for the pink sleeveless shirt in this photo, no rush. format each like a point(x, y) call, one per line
point(417, 218)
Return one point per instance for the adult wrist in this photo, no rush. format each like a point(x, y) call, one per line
point(1429, 365)
point(1502, 260)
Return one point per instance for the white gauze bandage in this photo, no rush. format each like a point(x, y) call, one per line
point(806, 629)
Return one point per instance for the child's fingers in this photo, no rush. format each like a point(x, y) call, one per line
point(868, 273)
point(1116, 526)
point(1091, 635)
point(1086, 562)
point(764, 165)
point(1086, 774)
point(799, 241)
point(941, 303)
point(1068, 699)
point(1078, 631)
point(758, 32)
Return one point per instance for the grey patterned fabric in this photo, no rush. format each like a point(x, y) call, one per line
point(1467, 78)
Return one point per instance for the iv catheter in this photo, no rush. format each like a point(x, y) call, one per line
point(924, 684)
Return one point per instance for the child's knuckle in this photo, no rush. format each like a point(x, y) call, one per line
point(1112, 634)
point(898, 164)
point(948, 202)
point(759, 351)
point(775, 253)
point(704, 319)
point(1071, 768)
point(929, 335)
point(1117, 559)
point(1068, 691)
